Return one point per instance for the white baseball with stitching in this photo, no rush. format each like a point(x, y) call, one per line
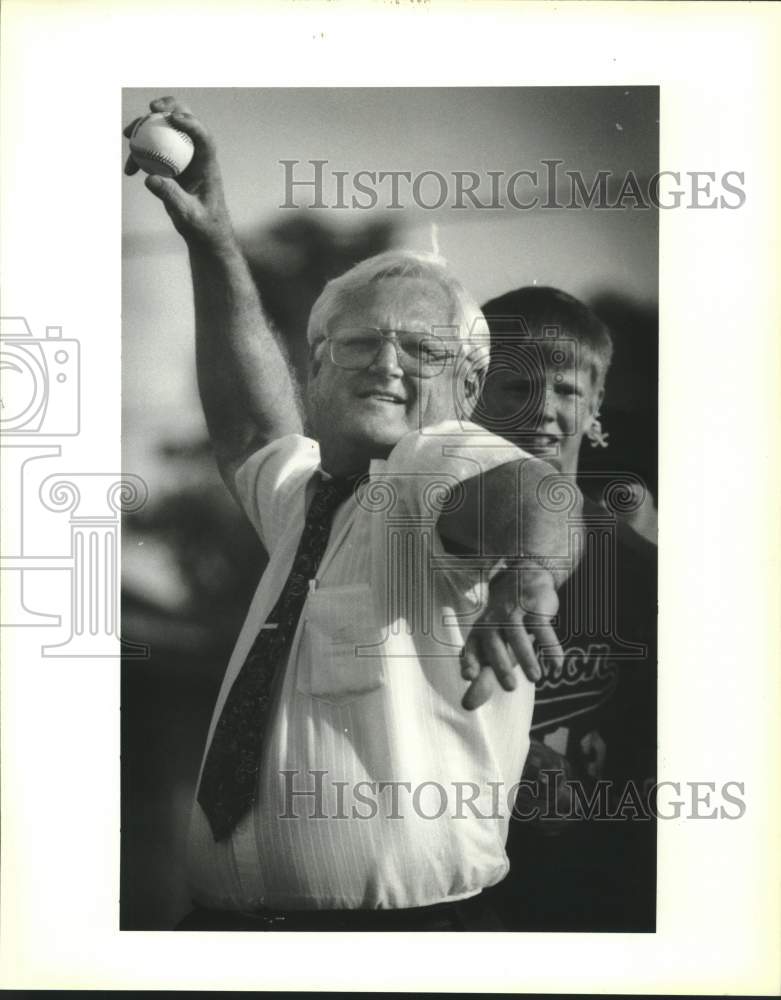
point(158, 147)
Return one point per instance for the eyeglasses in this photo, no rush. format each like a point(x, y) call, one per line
point(418, 353)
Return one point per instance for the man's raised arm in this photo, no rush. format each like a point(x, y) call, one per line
point(248, 392)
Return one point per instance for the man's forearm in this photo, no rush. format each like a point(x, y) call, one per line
point(247, 389)
point(507, 513)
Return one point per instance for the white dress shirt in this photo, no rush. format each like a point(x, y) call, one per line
point(370, 694)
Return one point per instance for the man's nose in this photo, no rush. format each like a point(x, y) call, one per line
point(387, 359)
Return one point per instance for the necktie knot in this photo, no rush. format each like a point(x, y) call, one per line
point(331, 492)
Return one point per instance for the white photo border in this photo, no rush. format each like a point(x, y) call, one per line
point(64, 67)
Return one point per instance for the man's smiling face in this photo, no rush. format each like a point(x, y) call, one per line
point(360, 415)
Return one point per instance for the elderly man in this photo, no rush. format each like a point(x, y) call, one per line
point(349, 779)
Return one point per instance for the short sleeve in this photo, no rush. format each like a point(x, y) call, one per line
point(270, 479)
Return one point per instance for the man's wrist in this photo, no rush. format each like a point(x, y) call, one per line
point(220, 256)
point(219, 245)
point(533, 562)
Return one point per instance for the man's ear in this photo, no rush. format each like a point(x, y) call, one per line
point(598, 397)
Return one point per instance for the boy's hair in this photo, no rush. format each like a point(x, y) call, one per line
point(543, 315)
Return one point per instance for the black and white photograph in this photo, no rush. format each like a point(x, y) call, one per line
point(439, 713)
point(388, 403)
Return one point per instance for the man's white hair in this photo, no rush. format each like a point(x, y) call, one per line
point(467, 321)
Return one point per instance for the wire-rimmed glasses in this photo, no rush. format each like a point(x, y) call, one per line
point(419, 352)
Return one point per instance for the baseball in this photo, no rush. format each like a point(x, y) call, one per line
point(159, 148)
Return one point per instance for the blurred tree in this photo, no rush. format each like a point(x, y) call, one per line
point(292, 261)
point(630, 411)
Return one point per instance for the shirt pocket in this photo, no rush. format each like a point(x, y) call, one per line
point(341, 657)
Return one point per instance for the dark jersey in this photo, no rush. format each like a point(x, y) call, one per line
point(607, 629)
point(595, 718)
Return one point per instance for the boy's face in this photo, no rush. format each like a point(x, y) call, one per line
point(547, 404)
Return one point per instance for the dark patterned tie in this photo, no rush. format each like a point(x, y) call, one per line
point(230, 772)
